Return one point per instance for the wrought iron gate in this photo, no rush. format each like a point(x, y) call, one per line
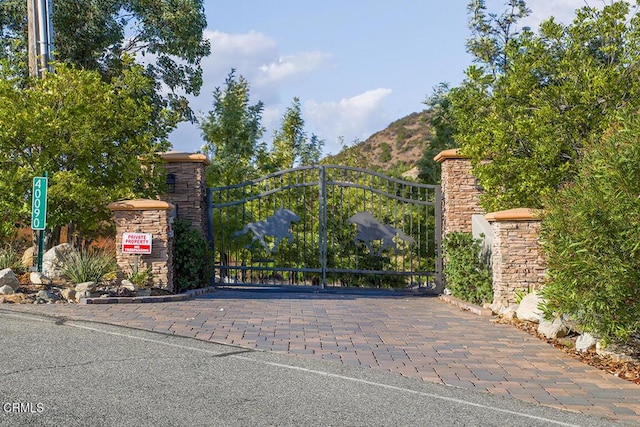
point(327, 226)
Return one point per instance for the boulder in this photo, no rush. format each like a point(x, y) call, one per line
point(86, 287)
point(586, 342)
point(6, 290)
point(53, 259)
point(553, 330)
point(8, 278)
point(28, 256)
point(528, 309)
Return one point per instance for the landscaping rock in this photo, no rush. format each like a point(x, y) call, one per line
point(52, 261)
point(27, 257)
point(47, 296)
point(528, 309)
point(80, 295)
point(126, 284)
point(68, 294)
point(38, 278)
point(553, 330)
point(585, 342)
point(86, 287)
point(6, 290)
point(8, 278)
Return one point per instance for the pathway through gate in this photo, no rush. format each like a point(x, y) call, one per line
point(327, 226)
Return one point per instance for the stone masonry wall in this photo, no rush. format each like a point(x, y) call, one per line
point(460, 196)
point(518, 263)
point(190, 190)
point(146, 216)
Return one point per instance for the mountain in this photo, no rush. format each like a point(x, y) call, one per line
point(394, 150)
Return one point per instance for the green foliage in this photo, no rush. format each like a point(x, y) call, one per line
point(385, 152)
point(92, 138)
point(11, 258)
point(101, 35)
point(591, 237)
point(192, 257)
point(441, 120)
point(291, 145)
point(88, 265)
point(468, 276)
point(232, 130)
point(525, 119)
point(141, 278)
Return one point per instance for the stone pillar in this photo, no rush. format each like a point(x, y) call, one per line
point(461, 197)
point(518, 263)
point(146, 216)
point(190, 191)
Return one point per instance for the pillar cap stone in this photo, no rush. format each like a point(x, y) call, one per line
point(183, 157)
point(519, 214)
point(140, 205)
point(453, 153)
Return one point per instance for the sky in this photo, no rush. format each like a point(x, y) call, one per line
point(355, 65)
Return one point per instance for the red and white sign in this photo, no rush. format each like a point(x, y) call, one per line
point(136, 243)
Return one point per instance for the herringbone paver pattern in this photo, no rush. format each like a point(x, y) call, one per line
point(417, 337)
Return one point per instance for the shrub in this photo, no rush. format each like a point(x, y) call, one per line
point(192, 257)
point(141, 278)
point(591, 238)
point(11, 258)
point(468, 276)
point(88, 265)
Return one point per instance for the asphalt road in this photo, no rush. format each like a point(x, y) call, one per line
point(71, 373)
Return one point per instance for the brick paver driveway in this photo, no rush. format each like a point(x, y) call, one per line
point(419, 337)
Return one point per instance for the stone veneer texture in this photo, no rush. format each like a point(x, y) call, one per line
point(155, 222)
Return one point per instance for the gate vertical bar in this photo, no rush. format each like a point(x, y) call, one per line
point(438, 239)
point(322, 224)
point(212, 245)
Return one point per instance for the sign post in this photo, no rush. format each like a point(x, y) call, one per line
point(39, 212)
point(136, 243)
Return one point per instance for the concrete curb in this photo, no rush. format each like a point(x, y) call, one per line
point(467, 306)
point(151, 299)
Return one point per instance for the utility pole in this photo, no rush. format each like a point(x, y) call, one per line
point(40, 31)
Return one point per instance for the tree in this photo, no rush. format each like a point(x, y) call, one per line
point(291, 145)
point(92, 137)
point(232, 130)
point(525, 128)
point(441, 120)
point(102, 34)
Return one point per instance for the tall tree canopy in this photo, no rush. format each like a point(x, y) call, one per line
point(524, 123)
point(95, 139)
point(102, 34)
point(291, 144)
point(232, 130)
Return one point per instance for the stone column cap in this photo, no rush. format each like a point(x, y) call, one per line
point(518, 214)
point(183, 157)
point(453, 153)
point(140, 205)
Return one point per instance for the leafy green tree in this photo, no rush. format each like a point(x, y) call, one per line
point(291, 145)
point(525, 127)
point(92, 137)
point(232, 130)
point(102, 34)
point(441, 120)
point(590, 238)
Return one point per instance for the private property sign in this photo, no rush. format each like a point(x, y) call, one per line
point(136, 243)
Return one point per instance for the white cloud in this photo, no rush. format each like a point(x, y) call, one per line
point(351, 118)
point(290, 66)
